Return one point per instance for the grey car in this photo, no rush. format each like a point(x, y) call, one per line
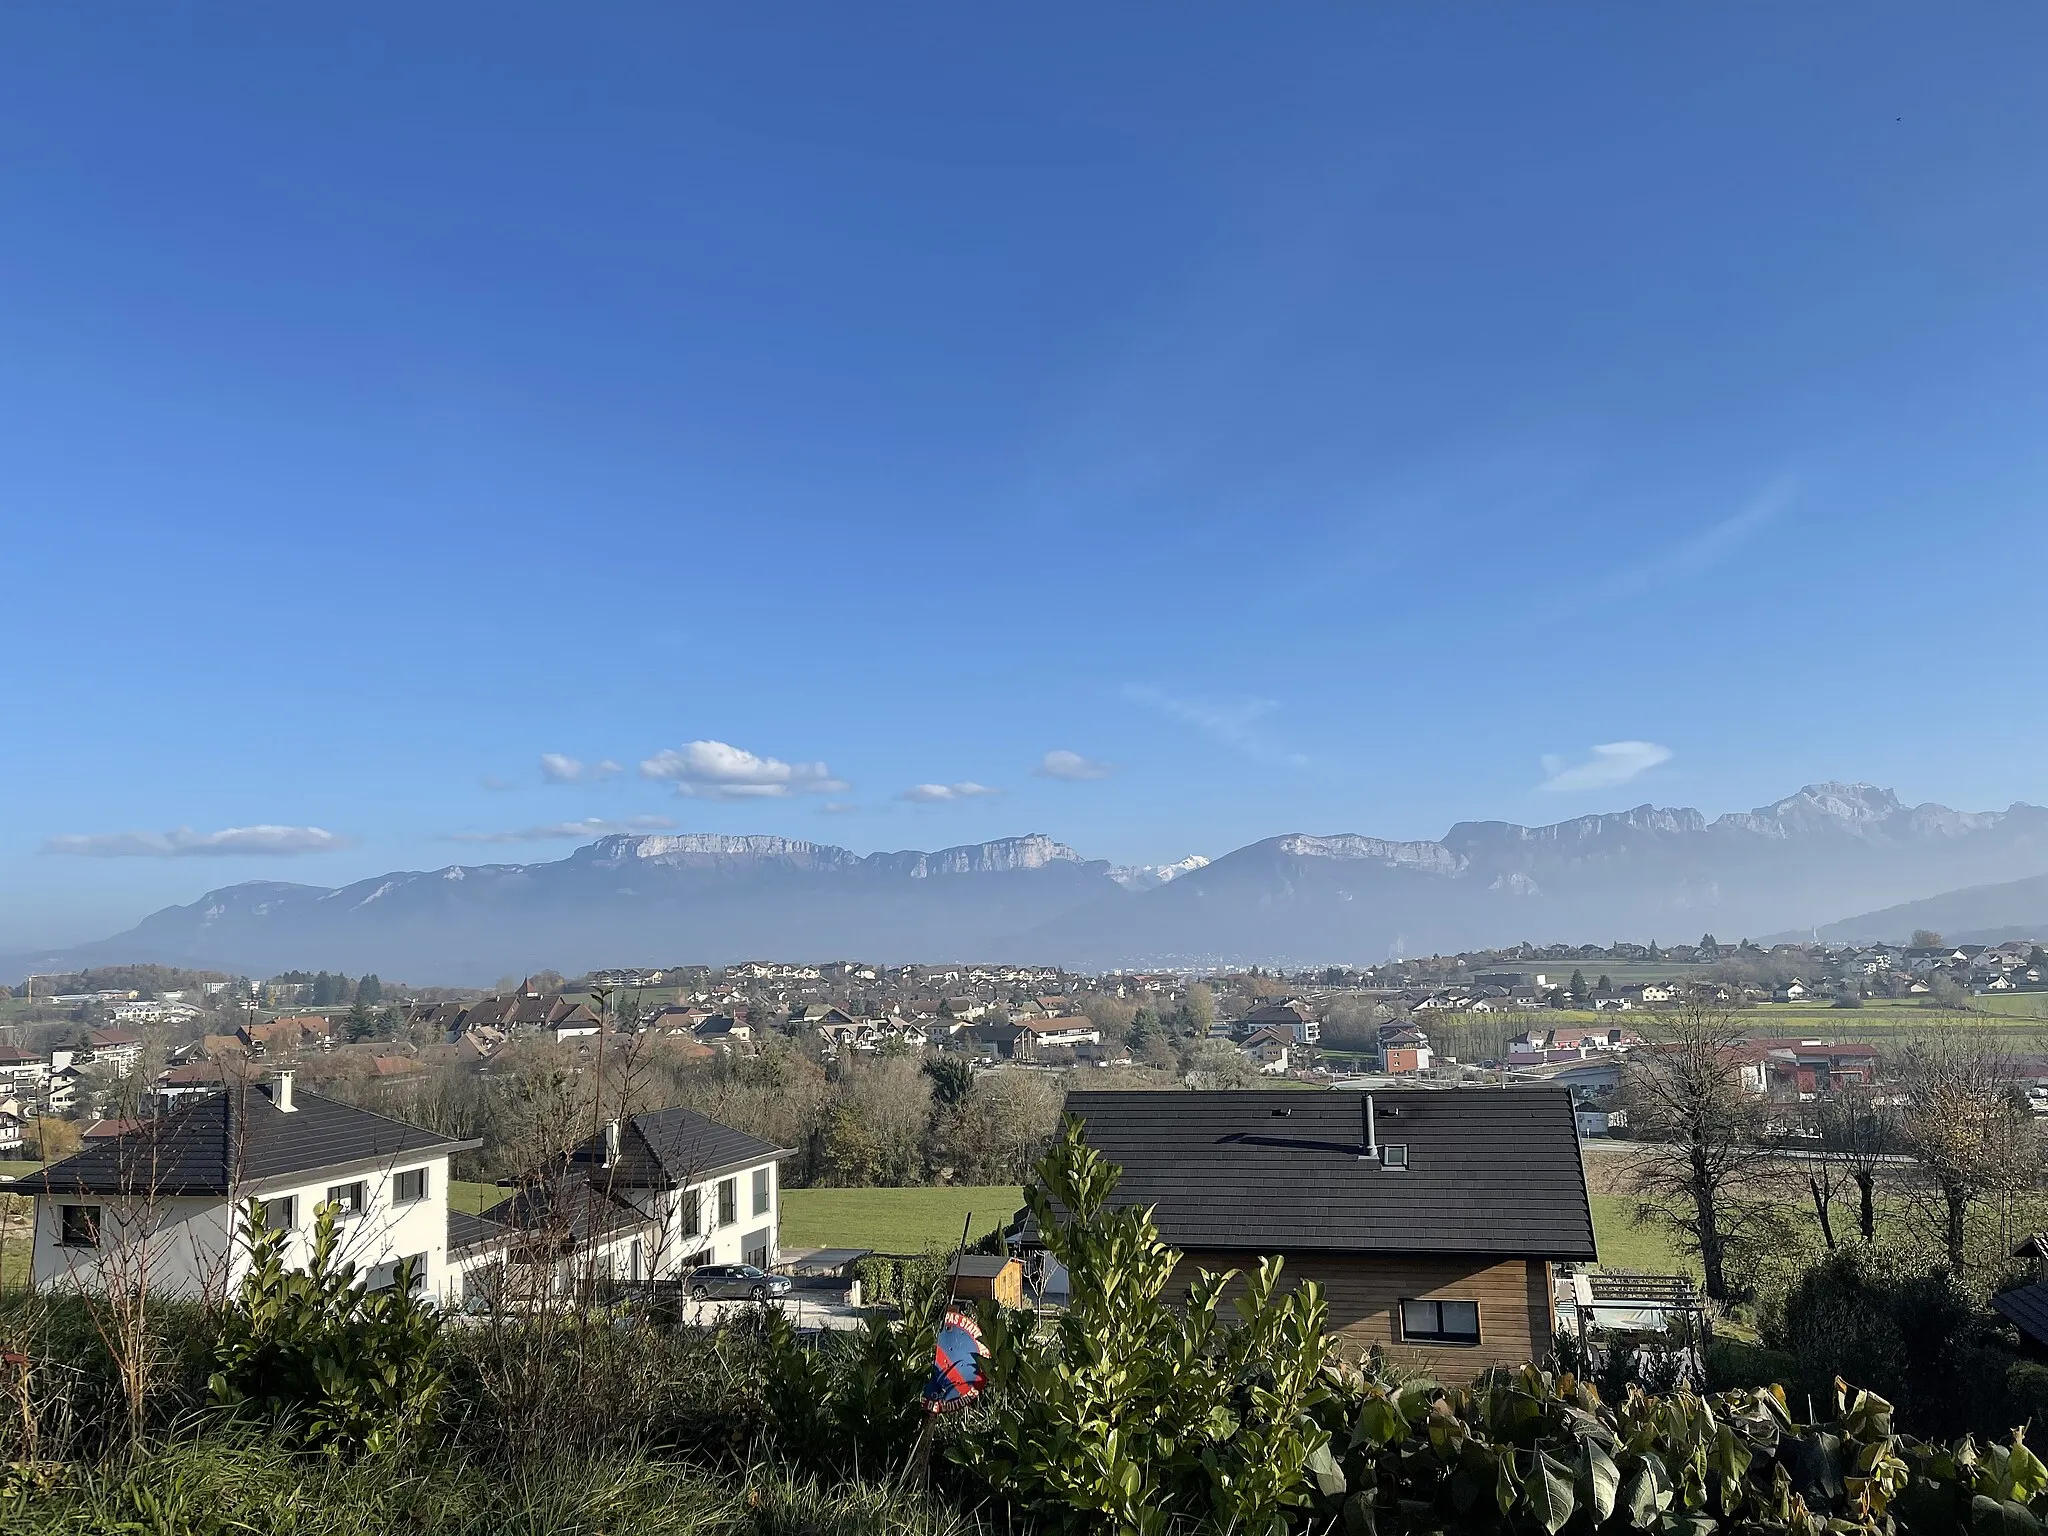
point(737, 1282)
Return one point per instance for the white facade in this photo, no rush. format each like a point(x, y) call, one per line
point(194, 1245)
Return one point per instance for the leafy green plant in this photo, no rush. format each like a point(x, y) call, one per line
point(850, 1404)
point(350, 1369)
point(1532, 1450)
point(1136, 1414)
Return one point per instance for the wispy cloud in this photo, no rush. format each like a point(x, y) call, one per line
point(1233, 723)
point(184, 843)
point(940, 794)
point(716, 770)
point(590, 827)
point(495, 784)
point(1706, 549)
point(557, 769)
point(1071, 766)
point(839, 808)
point(1614, 763)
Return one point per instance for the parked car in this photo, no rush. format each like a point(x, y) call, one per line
point(736, 1282)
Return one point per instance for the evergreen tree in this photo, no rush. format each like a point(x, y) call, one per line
point(370, 990)
point(1606, 987)
point(1578, 986)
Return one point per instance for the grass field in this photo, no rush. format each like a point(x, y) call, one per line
point(893, 1220)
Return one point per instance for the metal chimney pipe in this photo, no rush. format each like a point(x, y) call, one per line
point(1372, 1144)
point(611, 1143)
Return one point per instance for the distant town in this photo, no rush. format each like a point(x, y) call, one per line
point(83, 1054)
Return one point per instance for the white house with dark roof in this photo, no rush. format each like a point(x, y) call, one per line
point(651, 1197)
point(170, 1194)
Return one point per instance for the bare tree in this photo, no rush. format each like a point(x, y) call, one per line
point(1967, 1123)
point(1856, 1135)
point(1702, 1170)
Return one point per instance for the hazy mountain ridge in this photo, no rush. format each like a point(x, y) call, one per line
point(1979, 914)
point(1300, 898)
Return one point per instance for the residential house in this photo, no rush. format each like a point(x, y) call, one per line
point(1803, 1068)
point(1037, 1036)
point(1290, 1014)
point(287, 1036)
point(1268, 1049)
point(675, 1019)
point(13, 1127)
point(192, 1079)
point(115, 1049)
point(152, 1011)
point(572, 1021)
point(21, 1071)
point(650, 1197)
point(722, 1031)
point(1431, 1219)
point(61, 1087)
point(171, 1192)
point(1405, 1051)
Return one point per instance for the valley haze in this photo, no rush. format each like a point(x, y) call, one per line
point(1850, 860)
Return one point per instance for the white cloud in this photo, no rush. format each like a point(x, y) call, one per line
point(268, 841)
point(1232, 722)
point(716, 770)
point(593, 826)
point(939, 794)
point(1071, 766)
point(557, 769)
point(495, 784)
point(1614, 763)
point(1704, 550)
point(839, 808)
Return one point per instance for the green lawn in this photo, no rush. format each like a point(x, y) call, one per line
point(899, 1221)
point(1625, 1247)
point(466, 1196)
point(17, 1170)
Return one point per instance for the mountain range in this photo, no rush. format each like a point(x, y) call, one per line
point(1668, 874)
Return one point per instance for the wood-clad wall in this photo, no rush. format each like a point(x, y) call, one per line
point(1364, 1296)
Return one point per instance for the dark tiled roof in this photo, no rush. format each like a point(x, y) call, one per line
point(680, 1146)
point(217, 1143)
point(575, 1207)
point(1491, 1172)
point(466, 1230)
point(2026, 1308)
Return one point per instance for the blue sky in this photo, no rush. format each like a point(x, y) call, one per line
point(1344, 419)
